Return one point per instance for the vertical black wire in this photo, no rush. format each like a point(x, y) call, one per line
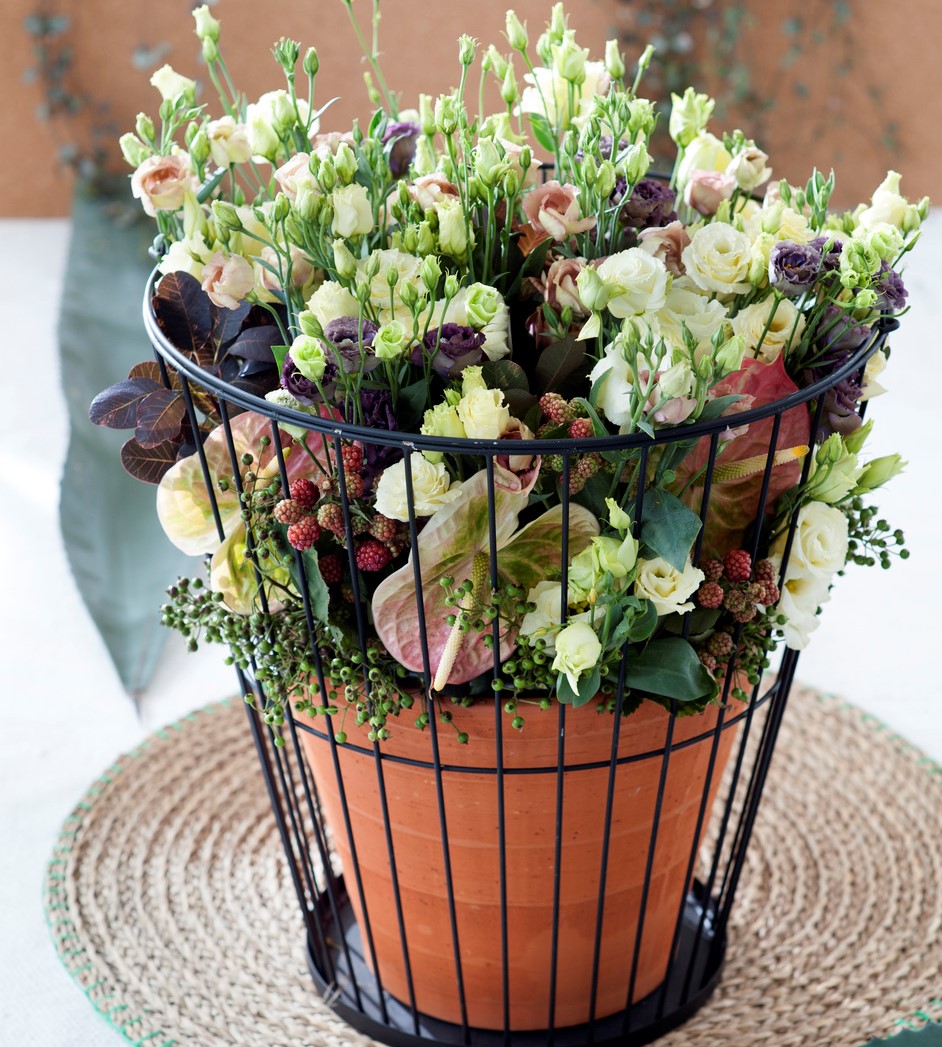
point(436, 754)
point(499, 754)
point(377, 754)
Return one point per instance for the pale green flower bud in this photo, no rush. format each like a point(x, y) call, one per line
point(452, 230)
point(371, 268)
point(569, 61)
point(593, 292)
point(605, 179)
point(689, 116)
point(614, 62)
point(446, 114)
point(511, 183)
point(617, 516)
point(226, 216)
point(308, 203)
point(424, 162)
point(877, 472)
point(281, 208)
point(865, 299)
point(286, 53)
point(172, 85)
point(345, 163)
point(590, 169)
point(310, 325)
point(311, 62)
point(309, 357)
point(427, 242)
point(327, 175)
point(471, 379)
point(642, 116)
point(199, 147)
point(854, 441)
point(451, 285)
point(729, 356)
point(392, 277)
point(637, 161)
point(509, 90)
point(467, 45)
point(558, 27)
point(133, 149)
point(207, 27)
point(144, 127)
point(210, 51)
point(409, 295)
point(490, 163)
point(362, 290)
point(391, 341)
point(516, 32)
point(427, 115)
point(831, 451)
point(493, 59)
point(482, 304)
point(430, 272)
point(344, 262)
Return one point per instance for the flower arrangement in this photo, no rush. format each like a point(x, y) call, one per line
point(503, 280)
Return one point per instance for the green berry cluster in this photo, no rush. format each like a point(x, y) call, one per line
point(870, 539)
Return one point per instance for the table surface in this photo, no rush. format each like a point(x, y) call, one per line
point(67, 716)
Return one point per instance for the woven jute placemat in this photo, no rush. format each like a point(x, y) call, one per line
point(169, 900)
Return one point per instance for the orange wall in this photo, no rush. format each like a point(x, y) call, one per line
point(837, 125)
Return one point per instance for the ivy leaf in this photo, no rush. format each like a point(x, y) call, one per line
point(149, 464)
point(670, 668)
point(117, 406)
point(159, 418)
point(668, 527)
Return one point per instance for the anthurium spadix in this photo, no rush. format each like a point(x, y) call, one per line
point(455, 544)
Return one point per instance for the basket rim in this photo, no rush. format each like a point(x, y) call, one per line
point(465, 445)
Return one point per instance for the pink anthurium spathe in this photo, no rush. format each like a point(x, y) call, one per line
point(455, 543)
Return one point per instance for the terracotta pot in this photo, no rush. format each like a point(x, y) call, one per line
point(471, 806)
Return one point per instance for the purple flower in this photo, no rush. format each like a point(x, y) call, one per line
point(793, 268)
point(402, 134)
point(889, 287)
point(838, 332)
point(343, 337)
point(452, 348)
point(376, 413)
point(830, 259)
point(650, 205)
point(301, 388)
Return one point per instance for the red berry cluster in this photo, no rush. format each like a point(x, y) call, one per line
point(731, 584)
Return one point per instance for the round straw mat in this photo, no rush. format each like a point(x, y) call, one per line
point(169, 900)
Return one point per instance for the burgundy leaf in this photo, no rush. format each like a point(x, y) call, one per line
point(117, 406)
point(146, 369)
point(227, 323)
point(557, 362)
point(185, 314)
point(148, 464)
point(255, 343)
point(159, 418)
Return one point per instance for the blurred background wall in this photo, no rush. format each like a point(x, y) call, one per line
point(848, 83)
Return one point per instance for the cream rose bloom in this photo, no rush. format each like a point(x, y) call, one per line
point(637, 282)
point(614, 394)
point(801, 598)
point(353, 214)
point(331, 301)
point(483, 414)
point(819, 547)
point(577, 651)
point(717, 259)
point(751, 323)
point(687, 306)
point(666, 587)
point(431, 489)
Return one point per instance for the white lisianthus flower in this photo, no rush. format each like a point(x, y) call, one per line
point(187, 256)
point(577, 651)
point(886, 205)
point(604, 554)
point(687, 306)
point(666, 587)
point(819, 547)
point(717, 259)
point(452, 229)
point(801, 598)
point(391, 341)
point(875, 367)
point(431, 489)
point(170, 84)
point(678, 380)
point(483, 414)
point(228, 142)
point(614, 395)
point(785, 223)
point(161, 183)
point(547, 85)
point(765, 338)
point(705, 153)
point(636, 280)
point(309, 356)
point(749, 167)
point(543, 622)
point(353, 213)
point(331, 301)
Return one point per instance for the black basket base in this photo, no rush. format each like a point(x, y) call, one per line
point(692, 978)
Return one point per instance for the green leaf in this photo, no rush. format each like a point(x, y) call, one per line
point(670, 668)
point(557, 362)
point(504, 374)
point(668, 527)
point(543, 132)
point(316, 586)
point(411, 404)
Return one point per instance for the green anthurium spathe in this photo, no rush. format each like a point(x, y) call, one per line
point(233, 575)
point(455, 539)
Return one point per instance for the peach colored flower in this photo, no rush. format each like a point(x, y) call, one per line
point(555, 209)
point(560, 288)
point(228, 279)
point(293, 174)
point(430, 190)
point(667, 243)
point(301, 268)
point(162, 182)
point(706, 190)
point(326, 143)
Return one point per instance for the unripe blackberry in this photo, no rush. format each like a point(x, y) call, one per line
point(330, 517)
point(289, 511)
point(556, 409)
point(553, 462)
point(738, 565)
point(355, 485)
point(372, 555)
point(746, 614)
point(581, 429)
point(712, 570)
point(303, 492)
point(303, 534)
point(710, 595)
point(766, 571)
point(352, 455)
point(383, 529)
point(735, 600)
point(332, 569)
point(720, 645)
point(708, 661)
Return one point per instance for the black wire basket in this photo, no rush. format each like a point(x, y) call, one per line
point(567, 884)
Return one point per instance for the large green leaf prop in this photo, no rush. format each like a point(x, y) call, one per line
point(734, 502)
point(447, 547)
